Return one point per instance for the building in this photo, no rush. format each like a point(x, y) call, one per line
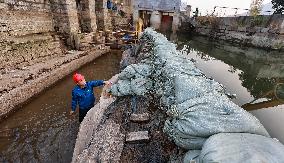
point(161, 14)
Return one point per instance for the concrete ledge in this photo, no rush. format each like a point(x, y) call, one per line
point(106, 145)
point(137, 137)
point(139, 117)
point(21, 94)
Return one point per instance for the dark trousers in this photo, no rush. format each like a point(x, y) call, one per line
point(82, 114)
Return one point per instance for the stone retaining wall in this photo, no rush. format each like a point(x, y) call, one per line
point(103, 16)
point(23, 17)
point(27, 30)
point(261, 31)
point(29, 50)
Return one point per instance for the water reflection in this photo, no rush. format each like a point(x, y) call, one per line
point(45, 131)
point(252, 74)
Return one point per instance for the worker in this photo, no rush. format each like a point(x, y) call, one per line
point(109, 4)
point(196, 13)
point(83, 95)
point(114, 6)
point(139, 26)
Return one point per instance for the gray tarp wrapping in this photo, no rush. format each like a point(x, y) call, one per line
point(238, 147)
point(207, 115)
point(133, 80)
point(135, 71)
point(197, 106)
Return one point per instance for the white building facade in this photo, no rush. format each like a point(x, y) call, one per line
point(161, 14)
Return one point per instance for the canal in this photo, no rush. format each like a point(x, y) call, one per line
point(253, 75)
point(45, 132)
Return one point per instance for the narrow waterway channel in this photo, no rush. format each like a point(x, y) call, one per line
point(255, 76)
point(45, 132)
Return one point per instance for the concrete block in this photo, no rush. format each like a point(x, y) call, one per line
point(264, 30)
point(222, 27)
point(3, 6)
point(282, 28)
point(258, 29)
point(242, 29)
point(140, 117)
point(136, 137)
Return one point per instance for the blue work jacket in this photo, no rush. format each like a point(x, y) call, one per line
point(84, 97)
point(109, 4)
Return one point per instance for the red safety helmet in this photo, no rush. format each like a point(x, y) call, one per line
point(77, 77)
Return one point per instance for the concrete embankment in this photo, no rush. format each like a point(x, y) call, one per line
point(19, 85)
point(125, 129)
point(261, 31)
point(190, 110)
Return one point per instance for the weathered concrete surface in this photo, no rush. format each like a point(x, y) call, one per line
point(103, 16)
point(144, 117)
point(22, 17)
point(29, 50)
point(138, 136)
point(31, 80)
point(106, 145)
point(261, 31)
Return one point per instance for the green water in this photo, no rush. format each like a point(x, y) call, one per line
point(256, 76)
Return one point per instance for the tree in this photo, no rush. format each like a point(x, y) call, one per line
point(278, 6)
point(255, 7)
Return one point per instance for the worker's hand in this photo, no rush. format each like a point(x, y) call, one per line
point(107, 82)
point(72, 112)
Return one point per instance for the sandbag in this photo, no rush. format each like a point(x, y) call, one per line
point(188, 87)
point(239, 148)
point(133, 80)
point(207, 115)
point(135, 71)
point(182, 140)
point(197, 106)
point(140, 86)
point(191, 155)
point(121, 88)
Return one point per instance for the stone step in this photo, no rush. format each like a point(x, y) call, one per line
point(144, 117)
point(137, 137)
point(6, 133)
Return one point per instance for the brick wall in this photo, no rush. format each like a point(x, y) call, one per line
point(28, 51)
point(27, 30)
point(22, 17)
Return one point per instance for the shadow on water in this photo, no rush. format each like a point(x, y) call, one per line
point(43, 129)
point(255, 76)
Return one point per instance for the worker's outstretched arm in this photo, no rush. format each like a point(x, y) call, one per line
point(96, 83)
point(74, 102)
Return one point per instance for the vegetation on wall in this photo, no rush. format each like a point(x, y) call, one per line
point(255, 7)
point(208, 20)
